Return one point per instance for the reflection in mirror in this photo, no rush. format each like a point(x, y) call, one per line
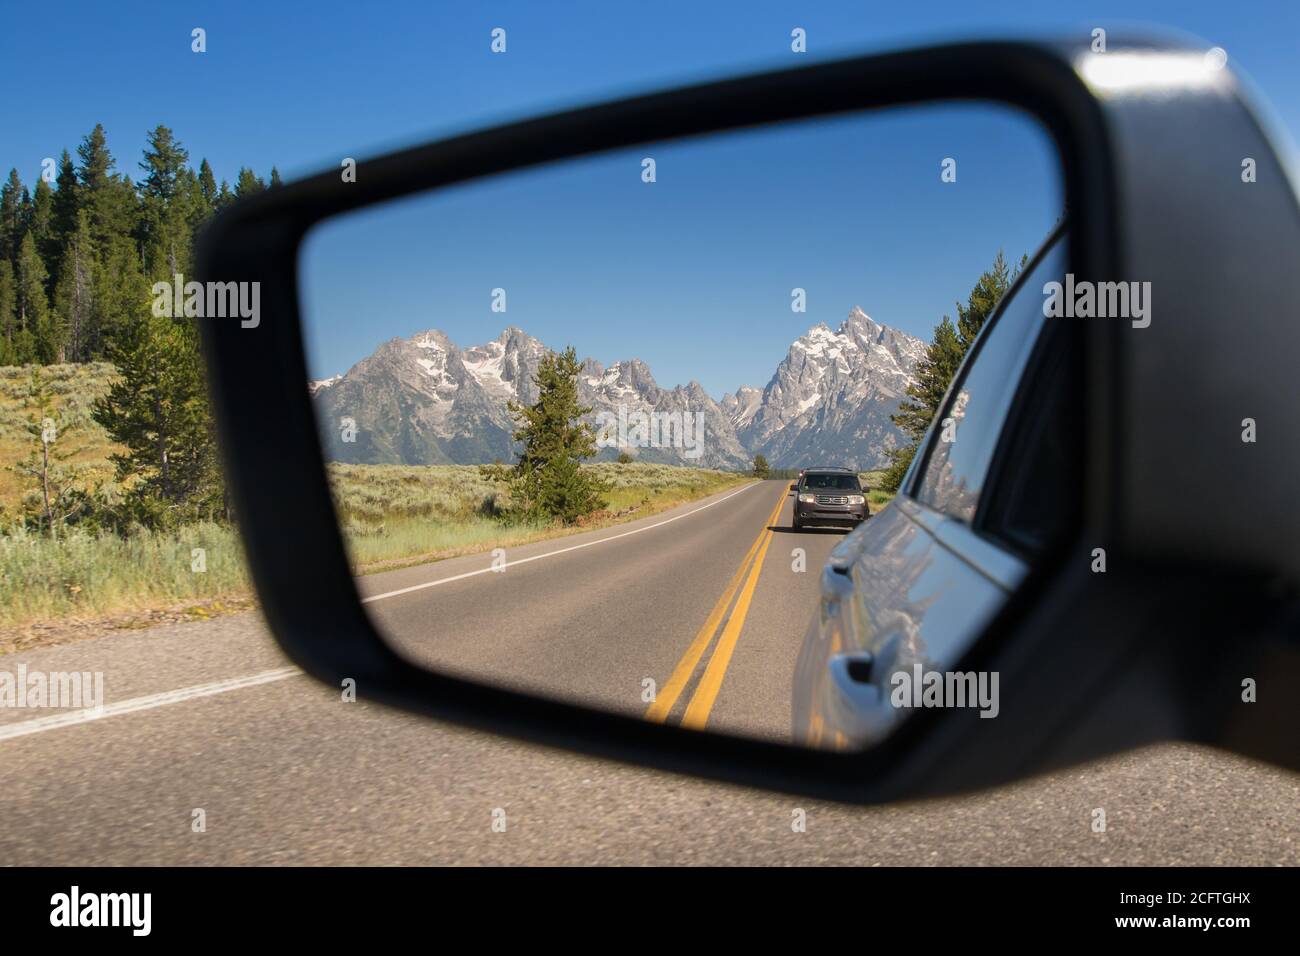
point(595, 428)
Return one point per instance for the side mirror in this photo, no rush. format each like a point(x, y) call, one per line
point(1197, 594)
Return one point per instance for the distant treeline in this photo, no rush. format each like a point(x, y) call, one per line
point(78, 255)
point(78, 259)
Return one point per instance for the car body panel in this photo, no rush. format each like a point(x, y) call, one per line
point(895, 593)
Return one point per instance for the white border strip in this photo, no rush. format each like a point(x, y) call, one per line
point(551, 554)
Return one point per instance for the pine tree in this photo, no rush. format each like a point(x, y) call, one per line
point(248, 183)
point(224, 197)
point(95, 175)
point(8, 321)
point(158, 409)
point(11, 216)
point(761, 468)
point(943, 356)
point(74, 294)
point(109, 198)
point(35, 339)
point(207, 183)
point(933, 374)
point(26, 213)
point(988, 292)
point(59, 500)
point(63, 220)
point(42, 230)
point(97, 162)
point(900, 459)
point(548, 482)
point(194, 204)
point(168, 194)
point(164, 159)
point(275, 178)
point(65, 199)
point(119, 294)
point(119, 291)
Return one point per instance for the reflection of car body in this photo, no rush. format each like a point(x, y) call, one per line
point(829, 496)
point(917, 585)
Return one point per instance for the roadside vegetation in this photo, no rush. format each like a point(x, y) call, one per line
point(877, 495)
point(80, 458)
point(74, 539)
point(92, 561)
point(394, 515)
point(111, 496)
point(89, 575)
point(547, 482)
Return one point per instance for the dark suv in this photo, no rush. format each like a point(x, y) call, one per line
point(829, 496)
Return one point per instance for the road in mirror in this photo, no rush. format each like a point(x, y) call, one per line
point(595, 428)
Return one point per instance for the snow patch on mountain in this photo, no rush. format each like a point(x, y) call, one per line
point(316, 386)
point(831, 397)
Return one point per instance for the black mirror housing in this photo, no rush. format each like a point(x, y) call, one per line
point(275, 466)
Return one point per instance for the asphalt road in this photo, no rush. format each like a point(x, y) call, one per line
point(209, 717)
point(607, 623)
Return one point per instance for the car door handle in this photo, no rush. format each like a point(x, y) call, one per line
point(856, 666)
point(858, 709)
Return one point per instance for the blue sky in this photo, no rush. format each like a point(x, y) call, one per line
point(301, 85)
point(694, 272)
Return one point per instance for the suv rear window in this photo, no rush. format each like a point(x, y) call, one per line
point(831, 482)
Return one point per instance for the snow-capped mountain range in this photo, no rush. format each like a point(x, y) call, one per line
point(424, 400)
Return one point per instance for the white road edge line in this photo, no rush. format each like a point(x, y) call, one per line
point(24, 727)
point(551, 554)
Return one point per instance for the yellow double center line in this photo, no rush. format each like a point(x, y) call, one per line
point(697, 711)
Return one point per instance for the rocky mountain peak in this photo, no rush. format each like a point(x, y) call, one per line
point(423, 400)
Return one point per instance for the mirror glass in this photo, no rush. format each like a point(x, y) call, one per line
point(596, 428)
